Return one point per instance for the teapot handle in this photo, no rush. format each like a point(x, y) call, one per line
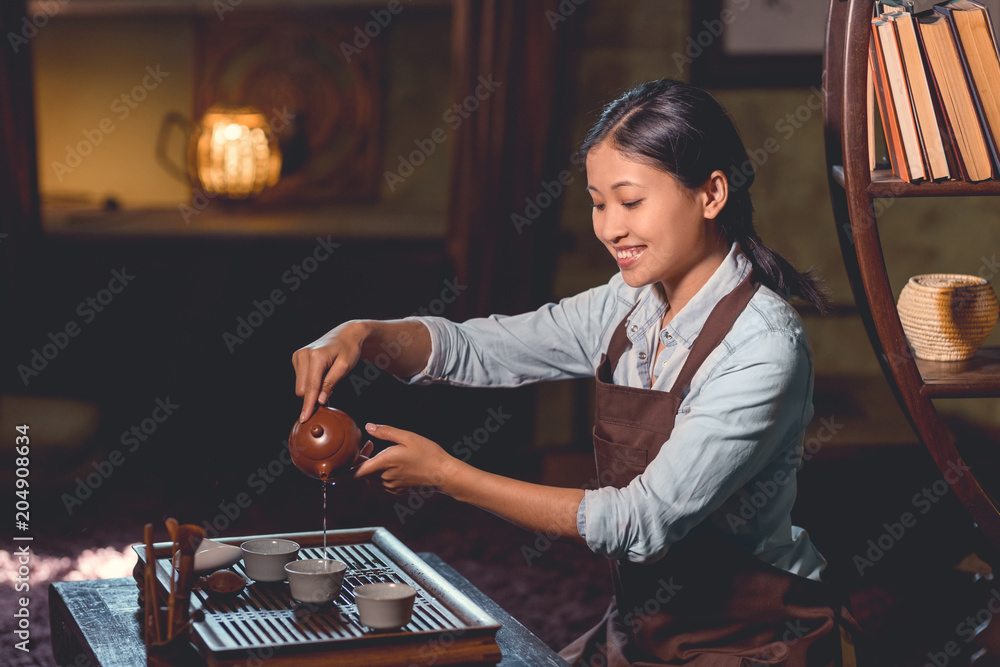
point(171, 120)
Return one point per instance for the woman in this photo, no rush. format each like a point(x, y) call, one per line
point(704, 391)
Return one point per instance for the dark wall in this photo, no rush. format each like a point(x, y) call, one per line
point(161, 338)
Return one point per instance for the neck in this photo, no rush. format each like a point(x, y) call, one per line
point(681, 290)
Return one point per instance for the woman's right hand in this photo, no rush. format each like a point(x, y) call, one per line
point(320, 365)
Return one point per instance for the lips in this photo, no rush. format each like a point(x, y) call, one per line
point(628, 255)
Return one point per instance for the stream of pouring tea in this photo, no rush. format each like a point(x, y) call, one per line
point(324, 516)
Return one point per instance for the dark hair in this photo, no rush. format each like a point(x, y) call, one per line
point(684, 131)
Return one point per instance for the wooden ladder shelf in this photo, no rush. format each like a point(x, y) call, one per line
point(854, 190)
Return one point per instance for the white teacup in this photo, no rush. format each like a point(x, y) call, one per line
point(315, 580)
point(385, 606)
point(264, 560)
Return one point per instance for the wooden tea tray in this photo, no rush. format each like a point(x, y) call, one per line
point(264, 623)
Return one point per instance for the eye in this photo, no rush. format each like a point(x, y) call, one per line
point(598, 207)
point(631, 204)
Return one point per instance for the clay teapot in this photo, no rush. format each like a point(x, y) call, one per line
point(326, 445)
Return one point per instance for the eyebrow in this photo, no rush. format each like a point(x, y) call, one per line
point(619, 184)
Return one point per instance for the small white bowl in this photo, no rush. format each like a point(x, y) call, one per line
point(385, 606)
point(316, 580)
point(212, 556)
point(264, 560)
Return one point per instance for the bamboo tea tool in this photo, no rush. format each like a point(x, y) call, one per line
point(165, 634)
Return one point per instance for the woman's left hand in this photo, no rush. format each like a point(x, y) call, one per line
point(414, 462)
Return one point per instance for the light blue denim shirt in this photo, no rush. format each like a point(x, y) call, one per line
point(737, 439)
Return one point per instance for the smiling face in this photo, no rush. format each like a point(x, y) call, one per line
point(655, 228)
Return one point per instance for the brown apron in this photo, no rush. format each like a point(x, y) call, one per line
point(707, 602)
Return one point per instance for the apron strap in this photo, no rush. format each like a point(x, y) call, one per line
point(619, 341)
point(718, 324)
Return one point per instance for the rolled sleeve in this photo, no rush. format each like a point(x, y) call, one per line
point(747, 411)
point(557, 341)
point(433, 372)
point(581, 518)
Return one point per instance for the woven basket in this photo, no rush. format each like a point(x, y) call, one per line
point(945, 316)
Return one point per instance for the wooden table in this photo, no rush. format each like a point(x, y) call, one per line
point(96, 624)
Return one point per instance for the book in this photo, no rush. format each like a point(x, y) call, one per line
point(920, 96)
point(955, 164)
point(900, 93)
point(891, 115)
point(891, 7)
point(870, 106)
point(955, 95)
point(970, 24)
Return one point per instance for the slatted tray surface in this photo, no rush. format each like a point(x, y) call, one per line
point(264, 620)
point(264, 615)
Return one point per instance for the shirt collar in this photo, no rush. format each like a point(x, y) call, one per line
point(686, 324)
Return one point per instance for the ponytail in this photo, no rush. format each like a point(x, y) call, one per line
point(770, 268)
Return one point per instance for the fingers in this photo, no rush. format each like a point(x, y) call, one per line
point(323, 363)
point(308, 407)
point(299, 383)
point(322, 376)
point(377, 463)
point(314, 375)
point(390, 433)
point(302, 362)
point(330, 380)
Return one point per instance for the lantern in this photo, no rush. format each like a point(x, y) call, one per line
point(233, 152)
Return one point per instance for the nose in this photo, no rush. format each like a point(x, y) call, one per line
point(609, 227)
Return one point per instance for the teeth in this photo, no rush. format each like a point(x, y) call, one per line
point(631, 252)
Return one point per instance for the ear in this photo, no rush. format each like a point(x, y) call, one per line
point(715, 194)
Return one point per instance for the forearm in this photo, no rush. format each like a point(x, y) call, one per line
point(400, 347)
point(533, 507)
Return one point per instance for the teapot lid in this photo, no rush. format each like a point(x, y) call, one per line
point(324, 434)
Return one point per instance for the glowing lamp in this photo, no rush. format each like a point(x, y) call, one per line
point(234, 154)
